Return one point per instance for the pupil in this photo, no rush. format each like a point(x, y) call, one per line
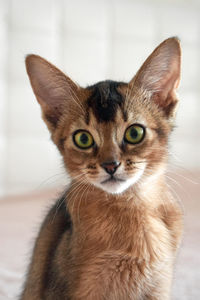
point(84, 138)
point(134, 133)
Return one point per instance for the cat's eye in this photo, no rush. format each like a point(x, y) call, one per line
point(83, 139)
point(134, 134)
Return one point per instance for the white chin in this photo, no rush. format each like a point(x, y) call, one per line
point(118, 187)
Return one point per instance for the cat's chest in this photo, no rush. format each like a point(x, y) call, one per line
point(123, 273)
point(134, 233)
point(116, 248)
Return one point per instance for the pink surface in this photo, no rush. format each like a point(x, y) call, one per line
point(20, 218)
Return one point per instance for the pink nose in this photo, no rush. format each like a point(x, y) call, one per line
point(110, 167)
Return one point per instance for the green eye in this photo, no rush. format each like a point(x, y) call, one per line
point(83, 139)
point(134, 134)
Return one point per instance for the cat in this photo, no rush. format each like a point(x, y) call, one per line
point(115, 232)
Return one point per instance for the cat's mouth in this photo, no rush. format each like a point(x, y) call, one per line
point(112, 179)
point(118, 183)
point(114, 184)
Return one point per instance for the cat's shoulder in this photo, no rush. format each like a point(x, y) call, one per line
point(58, 217)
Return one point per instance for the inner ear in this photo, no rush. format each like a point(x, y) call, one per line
point(160, 75)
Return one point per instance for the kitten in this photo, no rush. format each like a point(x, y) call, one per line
point(115, 232)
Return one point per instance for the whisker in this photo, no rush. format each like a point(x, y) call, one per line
point(78, 190)
point(49, 178)
point(184, 177)
point(80, 200)
point(62, 200)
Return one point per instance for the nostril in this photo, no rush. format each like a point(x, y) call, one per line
point(110, 167)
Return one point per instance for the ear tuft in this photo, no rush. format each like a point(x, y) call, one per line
point(160, 74)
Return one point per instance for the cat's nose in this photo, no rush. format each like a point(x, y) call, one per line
point(110, 166)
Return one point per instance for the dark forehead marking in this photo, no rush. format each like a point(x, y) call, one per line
point(105, 100)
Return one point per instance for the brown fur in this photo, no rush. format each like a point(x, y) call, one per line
point(119, 246)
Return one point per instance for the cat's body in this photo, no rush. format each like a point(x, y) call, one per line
point(114, 234)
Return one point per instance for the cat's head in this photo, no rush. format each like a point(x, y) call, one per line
point(112, 134)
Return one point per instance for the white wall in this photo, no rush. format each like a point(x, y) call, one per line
point(90, 40)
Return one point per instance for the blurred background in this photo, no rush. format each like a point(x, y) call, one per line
point(90, 40)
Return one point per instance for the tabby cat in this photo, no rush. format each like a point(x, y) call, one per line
point(115, 232)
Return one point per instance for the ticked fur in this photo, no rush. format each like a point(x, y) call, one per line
point(112, 237)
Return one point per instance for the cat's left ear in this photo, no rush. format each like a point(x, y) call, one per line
point(160, 75)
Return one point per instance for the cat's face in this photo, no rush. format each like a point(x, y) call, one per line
point(112, 135)
point(117, 150)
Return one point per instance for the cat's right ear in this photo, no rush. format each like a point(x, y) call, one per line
point(52, 88)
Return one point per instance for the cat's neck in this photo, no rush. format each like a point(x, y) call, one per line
point(100, 218)
point(85, 199)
